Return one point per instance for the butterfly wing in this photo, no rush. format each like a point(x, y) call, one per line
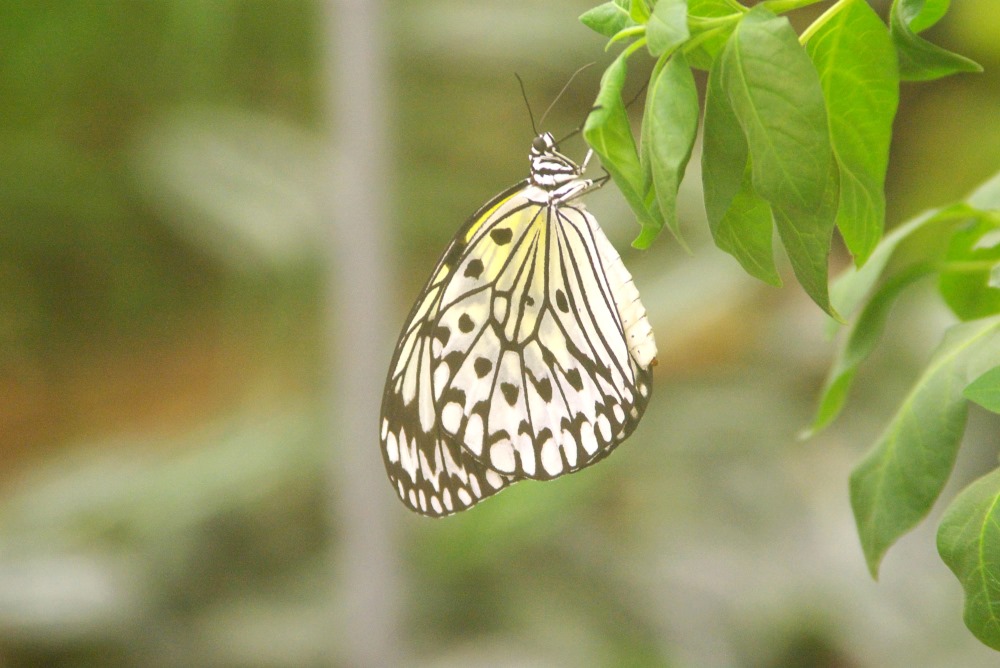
point(527, 355)
point(433, 475)
point(538, 376)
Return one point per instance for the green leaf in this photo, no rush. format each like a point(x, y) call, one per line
point(854, 56)
point(777, 97)
point(919, 242)
point(861, 339)
point(922, 14)
point(965, 279)
point(806, 236)
point(607, 19)
point(669, 128)
point(667, 27)
point(739, 218)
point(745, 232)
point(638, 11)
point(985, 390)
point(725, 153)
point(897, 482)
point(968, 541)
point(851, 288)
point(919, 60)
point(708, 39)
point(608, 132)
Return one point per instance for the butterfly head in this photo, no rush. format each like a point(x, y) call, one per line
point(550, 169)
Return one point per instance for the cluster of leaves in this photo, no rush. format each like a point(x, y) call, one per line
point(796, 128)
point(796, 138)
point(897, 482)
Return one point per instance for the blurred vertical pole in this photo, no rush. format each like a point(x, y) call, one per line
point(366, 575)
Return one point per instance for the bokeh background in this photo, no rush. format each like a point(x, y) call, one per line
point(214, 215)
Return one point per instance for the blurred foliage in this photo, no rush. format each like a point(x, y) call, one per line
point(161, 350)
point(90, 271)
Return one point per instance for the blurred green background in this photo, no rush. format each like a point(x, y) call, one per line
point(169, 483)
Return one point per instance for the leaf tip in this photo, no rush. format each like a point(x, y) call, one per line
point(642, 242)
point(873, 563)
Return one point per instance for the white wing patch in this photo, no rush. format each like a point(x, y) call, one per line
point(527, 355)
point(547, 384)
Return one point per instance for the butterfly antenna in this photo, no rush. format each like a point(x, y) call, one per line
point(573, 133)
point(542, 121)
point(527, 104)
point(579, 128)
point(597, 108)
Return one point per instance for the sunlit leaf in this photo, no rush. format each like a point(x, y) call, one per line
point(854, 56)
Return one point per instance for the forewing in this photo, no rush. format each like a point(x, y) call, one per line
point(434, 475)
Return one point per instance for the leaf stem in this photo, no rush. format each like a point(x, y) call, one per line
point(782, 6)
point(707, 23)
point(824, 17)
point(968, 266)
point(696, 41)
point(625, 33)
point(633, 47)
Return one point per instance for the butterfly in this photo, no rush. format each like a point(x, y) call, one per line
point(528, 353)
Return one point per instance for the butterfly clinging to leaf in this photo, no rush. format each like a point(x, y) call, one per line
point(527, 354)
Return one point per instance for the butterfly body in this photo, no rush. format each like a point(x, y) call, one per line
point(527, 354)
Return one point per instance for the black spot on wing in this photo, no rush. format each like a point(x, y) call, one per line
point(474, 269)
point(561, 301)
point(483, 366)
point(465, 323)
point(502, 235)
point(510, 392)
point(544, 388)
point(442, 334)
point(454, 360)
point(575, 381)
